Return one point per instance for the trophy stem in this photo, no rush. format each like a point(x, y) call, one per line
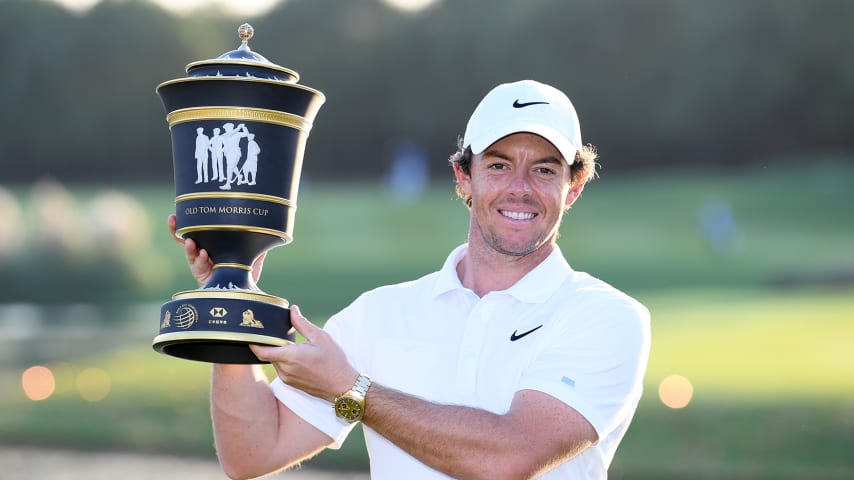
point(232, 276)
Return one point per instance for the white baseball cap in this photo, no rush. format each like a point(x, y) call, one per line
point(525, 106)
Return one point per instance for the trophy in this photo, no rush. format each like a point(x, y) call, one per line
point(239, 126)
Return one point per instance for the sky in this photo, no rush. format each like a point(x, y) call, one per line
point(248, 8)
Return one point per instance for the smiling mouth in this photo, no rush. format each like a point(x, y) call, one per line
point(517, 215)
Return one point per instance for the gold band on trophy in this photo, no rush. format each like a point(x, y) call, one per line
point(236, 195)
point(248, 114)
point(241, 266)
point(241, 228)
point(166, 338)
point(232, 295)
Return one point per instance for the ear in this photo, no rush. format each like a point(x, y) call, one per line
point(463, 180)
point(574, 193)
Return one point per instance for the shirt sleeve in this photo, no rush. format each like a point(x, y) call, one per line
point(596, 364)
point(313, 410)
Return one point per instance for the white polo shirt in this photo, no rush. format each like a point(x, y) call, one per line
point(557, 331)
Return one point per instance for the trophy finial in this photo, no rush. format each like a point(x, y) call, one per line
point(241, 62)
point(245, 32)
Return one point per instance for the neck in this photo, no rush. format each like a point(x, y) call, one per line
point(484, 270)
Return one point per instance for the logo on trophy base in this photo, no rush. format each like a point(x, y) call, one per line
point(239, 126)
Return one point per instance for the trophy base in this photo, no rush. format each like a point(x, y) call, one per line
point(217, 326)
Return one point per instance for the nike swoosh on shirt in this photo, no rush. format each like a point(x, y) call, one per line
point(516, 336)
point(518, 104)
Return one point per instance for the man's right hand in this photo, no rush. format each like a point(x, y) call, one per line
point(200, 262)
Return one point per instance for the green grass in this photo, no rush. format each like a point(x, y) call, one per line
point(773, 395)
point(779, 439)
point(756, 346)
point(771, 367)
point(773, 392)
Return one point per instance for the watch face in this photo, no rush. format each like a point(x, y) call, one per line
point(348, 408)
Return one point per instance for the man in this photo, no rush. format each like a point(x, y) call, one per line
point(249, 171)
point(231, 148)
point(216, 147)
point(506, 363)
point(202, 143)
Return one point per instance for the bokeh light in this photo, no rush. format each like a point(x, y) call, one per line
point(409, 5)
point(93, 384)
point(38, 383)
point(56, 217)
point(237, 7)
point(119, 223)
point(675, 391)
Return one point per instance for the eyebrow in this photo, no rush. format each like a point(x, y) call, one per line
point(550, 159)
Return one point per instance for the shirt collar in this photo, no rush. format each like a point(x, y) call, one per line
point(535, 287)
point(448, 279)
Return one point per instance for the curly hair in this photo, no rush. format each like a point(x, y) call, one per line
point(582, 170)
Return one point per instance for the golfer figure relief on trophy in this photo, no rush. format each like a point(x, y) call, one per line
point(239, 127)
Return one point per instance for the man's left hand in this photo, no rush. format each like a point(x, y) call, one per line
point(318, 367)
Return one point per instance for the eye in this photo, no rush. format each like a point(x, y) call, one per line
point(545, 170)
point(496, 166)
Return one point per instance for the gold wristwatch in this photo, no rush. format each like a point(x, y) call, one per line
point(350, 405)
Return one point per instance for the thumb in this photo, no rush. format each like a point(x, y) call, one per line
point(263, 352)
point(305, 328)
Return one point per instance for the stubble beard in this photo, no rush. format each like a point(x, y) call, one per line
point(493, 241)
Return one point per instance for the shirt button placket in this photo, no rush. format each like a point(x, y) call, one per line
point(471, 348)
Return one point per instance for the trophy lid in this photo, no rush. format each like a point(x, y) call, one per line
point(242, 62)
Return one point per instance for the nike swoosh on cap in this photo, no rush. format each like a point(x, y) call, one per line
point(518, 104)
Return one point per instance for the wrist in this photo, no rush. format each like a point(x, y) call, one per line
point(341, 385)
point(350, 405)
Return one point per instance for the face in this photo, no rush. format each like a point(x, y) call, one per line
point(520, 187)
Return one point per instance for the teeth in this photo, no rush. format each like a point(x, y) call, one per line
point(517, 215)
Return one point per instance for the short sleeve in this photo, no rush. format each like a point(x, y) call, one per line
point(596, 363)
point(313, 410)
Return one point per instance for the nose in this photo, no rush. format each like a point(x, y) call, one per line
point(521, 184)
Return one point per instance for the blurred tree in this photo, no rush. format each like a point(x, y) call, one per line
point(655, 82)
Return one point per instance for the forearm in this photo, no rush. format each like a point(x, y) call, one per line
point(459, 441)
point(244, 415)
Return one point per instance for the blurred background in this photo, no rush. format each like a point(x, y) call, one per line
point(724, 203)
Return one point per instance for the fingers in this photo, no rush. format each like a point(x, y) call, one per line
point(260, 260)
point(286, 361)
point(257, 266)
point(302, 325)
point(264, 353)
point(307, 329)
point(318, 367)
point(198, 258)
point(172, 223)
point(194, 253)
point(190, 246)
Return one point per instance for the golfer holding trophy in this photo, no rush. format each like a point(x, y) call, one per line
point(505, 363)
